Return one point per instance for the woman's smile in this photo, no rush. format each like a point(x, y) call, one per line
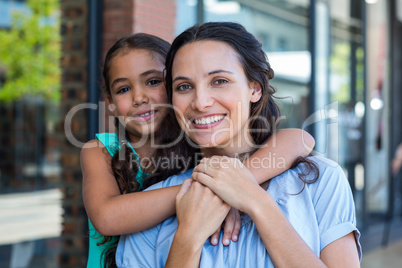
point(207, 121)
point(212, 95)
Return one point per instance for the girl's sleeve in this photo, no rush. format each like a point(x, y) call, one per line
point(334, 205)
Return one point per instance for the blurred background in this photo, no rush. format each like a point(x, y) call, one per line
point(337, 62)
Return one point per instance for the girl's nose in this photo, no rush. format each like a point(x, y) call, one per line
point(139, 97)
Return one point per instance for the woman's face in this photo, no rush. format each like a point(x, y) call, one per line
point(212, 95)
point(136, 83)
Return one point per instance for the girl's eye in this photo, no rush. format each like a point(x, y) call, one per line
point(219, 81)
point(183, 87)
point(154, 82)
point(123, 89)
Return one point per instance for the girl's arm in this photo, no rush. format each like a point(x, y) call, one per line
point(279, 152)
point(112, 213)
point(274, 157)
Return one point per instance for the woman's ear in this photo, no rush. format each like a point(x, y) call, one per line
point(256, 91)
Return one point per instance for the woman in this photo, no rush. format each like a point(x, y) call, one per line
point(217, 78)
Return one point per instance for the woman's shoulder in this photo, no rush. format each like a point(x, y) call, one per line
point(327, 168)
point(328, 173)
point(331, 178)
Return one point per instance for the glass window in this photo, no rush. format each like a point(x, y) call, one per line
point(30, 172)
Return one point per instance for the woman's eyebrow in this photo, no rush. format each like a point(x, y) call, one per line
point(210, 73)
point(219, 71)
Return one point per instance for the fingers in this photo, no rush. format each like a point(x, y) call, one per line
point(231, 227)
point(228, 228)
point(184, 188)
point(215, 237)
point(236, 229)
point(209, 165)
point(204, 179)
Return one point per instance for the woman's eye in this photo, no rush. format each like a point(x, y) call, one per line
point(183, 87)
point(219, 81)
point(154, 82)
point(123, 89)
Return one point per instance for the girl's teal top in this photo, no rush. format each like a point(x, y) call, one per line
point(95, 259)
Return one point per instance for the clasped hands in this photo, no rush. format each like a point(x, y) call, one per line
point(220, 187)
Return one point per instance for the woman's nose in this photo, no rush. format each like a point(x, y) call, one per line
point(202, 99)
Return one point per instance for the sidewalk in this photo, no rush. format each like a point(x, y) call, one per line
point(384, 257)
point(375, 255)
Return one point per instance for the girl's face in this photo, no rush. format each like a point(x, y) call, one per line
point(137, 89)
point(212, 96)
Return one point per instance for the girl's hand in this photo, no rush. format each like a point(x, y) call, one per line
point(231, 228)
point(229, 179)
point(199, 211)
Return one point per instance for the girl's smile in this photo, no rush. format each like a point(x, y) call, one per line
point(138, 92)
point(145, 115)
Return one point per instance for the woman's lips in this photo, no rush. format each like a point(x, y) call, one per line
point(207, 121)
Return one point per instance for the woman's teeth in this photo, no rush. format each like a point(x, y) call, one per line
point(209, 120)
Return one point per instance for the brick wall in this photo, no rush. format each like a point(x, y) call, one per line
point(117, 21)
point(120, 18)
point(156, 17)
point(74, 31)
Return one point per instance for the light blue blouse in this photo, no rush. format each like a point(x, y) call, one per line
point(323, 212)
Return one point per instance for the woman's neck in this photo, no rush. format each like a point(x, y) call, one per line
point(238, 147)
point(241, 153)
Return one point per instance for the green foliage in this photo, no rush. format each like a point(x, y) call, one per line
point(30, 52)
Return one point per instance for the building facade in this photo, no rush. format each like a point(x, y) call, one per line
point(336, 63)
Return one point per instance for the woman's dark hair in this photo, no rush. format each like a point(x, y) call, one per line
point(255, 66)
point(264, 114)
point(123, 168)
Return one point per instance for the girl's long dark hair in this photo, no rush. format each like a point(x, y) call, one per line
point(264, 114)
point(124, 170)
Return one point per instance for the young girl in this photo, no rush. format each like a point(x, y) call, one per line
point(112, 178)
point(305, 218)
